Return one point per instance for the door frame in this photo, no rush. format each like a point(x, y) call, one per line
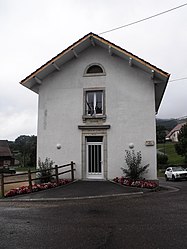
point(96, 176)
point(86, 133)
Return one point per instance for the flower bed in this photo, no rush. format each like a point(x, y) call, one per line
point(136, 183)
point(36, 187)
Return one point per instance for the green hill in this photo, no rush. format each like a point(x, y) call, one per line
point(169, 124)
point(169, 150)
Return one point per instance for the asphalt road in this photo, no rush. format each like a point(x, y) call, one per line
point(155, 220)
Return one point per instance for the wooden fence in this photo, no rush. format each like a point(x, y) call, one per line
point(30, 173)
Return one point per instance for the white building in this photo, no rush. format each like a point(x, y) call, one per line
point(95, 99)
point(173, 134)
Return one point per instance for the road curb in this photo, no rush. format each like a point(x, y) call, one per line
point(71, 198)
point(169, 189)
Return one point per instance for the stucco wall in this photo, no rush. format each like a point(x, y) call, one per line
point(129, 108)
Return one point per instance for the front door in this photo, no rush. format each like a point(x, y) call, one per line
point(94, 157)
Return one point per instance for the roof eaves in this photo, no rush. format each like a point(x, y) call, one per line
point(159, 103)
point(129, 54)
point(54, 59)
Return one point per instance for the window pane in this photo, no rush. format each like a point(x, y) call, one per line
point(89, 158)
point(99, 158)
point(90, 103)
point(94, 139)
point(99, 102)
point(94, 102)
point(94, 69)
point(93, 159)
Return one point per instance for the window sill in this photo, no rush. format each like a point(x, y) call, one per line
point(94, 74)
point(94, 127)
point(96, 117)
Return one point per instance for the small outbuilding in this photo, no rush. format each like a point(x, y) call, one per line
point(6, 157)
point(96, 99)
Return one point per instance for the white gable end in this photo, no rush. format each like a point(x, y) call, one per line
point(95, 117)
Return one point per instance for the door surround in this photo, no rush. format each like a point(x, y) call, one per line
point(87, 133)
point(94, 157)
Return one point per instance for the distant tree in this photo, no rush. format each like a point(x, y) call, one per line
point(169, 124)
point(160, 134)
point(32, 151)
point(25, 147)
point(181, 146)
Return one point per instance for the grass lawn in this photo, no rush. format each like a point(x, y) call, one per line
point(24, 169)
point(169, 149)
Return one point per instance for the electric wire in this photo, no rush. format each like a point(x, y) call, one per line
point(185, 78)
point(144, 19)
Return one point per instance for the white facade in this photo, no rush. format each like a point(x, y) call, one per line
point(101, 140)
point(174, 136)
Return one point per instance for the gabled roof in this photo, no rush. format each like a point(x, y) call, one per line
point(4, 149)
point(176, 128)
point(160, 78)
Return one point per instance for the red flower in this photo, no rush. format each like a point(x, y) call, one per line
point(137, 183)
point(36, 187)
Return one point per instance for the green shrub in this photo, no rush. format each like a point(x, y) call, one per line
point(46, 170)
point(162, 158)
point(133, 161)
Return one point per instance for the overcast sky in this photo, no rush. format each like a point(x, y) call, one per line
point(34, 31)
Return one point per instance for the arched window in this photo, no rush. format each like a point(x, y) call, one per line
point(94, 70)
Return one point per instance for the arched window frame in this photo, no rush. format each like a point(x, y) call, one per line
point(94, 74)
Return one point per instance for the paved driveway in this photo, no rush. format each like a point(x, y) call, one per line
point(82, 189)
